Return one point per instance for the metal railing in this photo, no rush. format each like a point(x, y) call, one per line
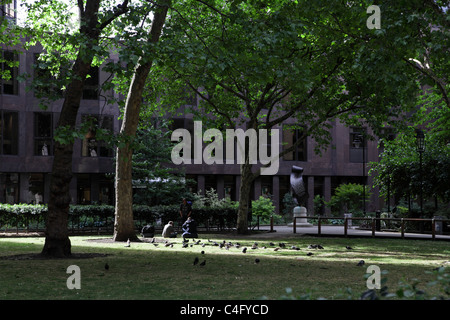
point(373, 223)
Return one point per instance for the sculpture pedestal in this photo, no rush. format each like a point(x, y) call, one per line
point(300, 214)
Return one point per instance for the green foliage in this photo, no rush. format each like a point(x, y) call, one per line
point(263, 207)
point(211, 200)
point(319, 203)
point(399, 170)
point(282, 46)
point(81, 216)
point(347, 198)
point(20, 214)
point(263, 63)
point(157, 183)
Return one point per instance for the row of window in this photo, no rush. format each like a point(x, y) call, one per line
point(9, 64)
point(357, 142)
point(91, 147)
point(43, 134)
point(102, 191)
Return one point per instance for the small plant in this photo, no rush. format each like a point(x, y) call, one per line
point(319, 203)
point(264, 208)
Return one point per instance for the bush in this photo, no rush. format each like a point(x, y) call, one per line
point(20, 215)
point(264, 209)
point(347, 198)
point(82, 216)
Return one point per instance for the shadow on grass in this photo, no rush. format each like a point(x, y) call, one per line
point(39, 256)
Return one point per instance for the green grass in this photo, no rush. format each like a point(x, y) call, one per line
point(145, 271)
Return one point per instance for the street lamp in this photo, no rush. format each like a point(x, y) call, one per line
point(420, 147)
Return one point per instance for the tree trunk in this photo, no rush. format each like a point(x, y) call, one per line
point(124, 222)
point(57, 242)
point(244, 198)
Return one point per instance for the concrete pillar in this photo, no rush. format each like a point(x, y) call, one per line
point(257, 190)
point(220, 186)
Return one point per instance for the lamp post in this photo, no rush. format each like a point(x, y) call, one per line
point(420, 147)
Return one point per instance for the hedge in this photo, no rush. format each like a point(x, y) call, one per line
point(22, 215)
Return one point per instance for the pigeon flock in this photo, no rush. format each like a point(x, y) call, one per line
point(227, 245)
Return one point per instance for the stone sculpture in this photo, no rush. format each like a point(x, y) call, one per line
point(298, 186)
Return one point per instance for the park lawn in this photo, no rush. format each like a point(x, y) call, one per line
point(146, 271)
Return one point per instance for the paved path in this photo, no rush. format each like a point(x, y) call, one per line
point(288, 230)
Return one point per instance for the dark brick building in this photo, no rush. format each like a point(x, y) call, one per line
point(26, 139)
point(342, 162)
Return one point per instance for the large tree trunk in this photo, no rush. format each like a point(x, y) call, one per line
point(124, 222)
point(57, 242)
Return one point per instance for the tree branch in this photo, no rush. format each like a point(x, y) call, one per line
point(429, 73)
point(118, 11)
point(299, 105)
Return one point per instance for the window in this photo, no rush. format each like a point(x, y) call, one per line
point(106, 189)
point(266, 186)
point(11, 187)
point(43, 134)
point(9, 73)
point(210, 182)
point(229, 189)
point(91, 146)
point(9, 132)
point(83, 188)
point(90, 91)
point(8, 10)
point(36, 188)
point(358, 144)
point(290, 137)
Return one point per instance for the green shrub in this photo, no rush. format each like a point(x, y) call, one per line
point(95, 215)
point(265, 210)
point(347, 198)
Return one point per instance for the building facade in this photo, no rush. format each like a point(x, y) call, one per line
point(27, 131)
point(344, 161)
